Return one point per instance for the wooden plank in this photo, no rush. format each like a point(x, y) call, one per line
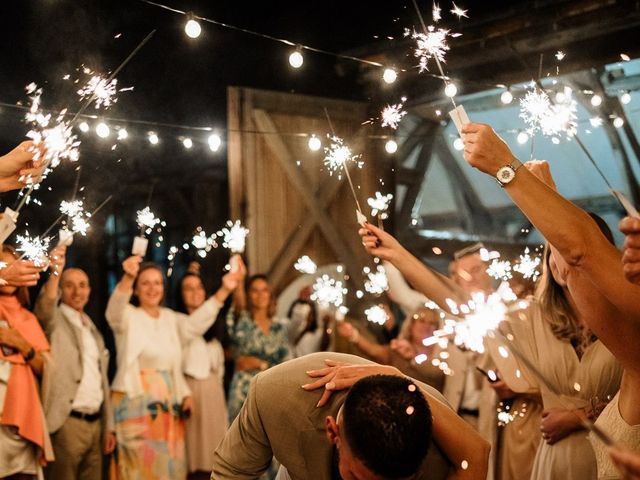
point(234, 152)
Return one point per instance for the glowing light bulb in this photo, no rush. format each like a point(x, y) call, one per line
point(391, 146)
point(314, 143)
point(123, 134)
point(618, 122)
point(458, 144)
point(192, 28)
point(523, 137)
point(389, 75)
point(596, 100)
point(506, 97)
point(153, 138)
point(102, 130)
point(214, 142)
point(625, 98)
point(187, 142)
point(296, 59)
point(450, 90)
point(84, 127)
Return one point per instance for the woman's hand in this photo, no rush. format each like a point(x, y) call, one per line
point(627, 462)
point(339, 376)
point(345, 329)
point(246, 363)
point(18, 167)
point(403, 348)
point(558, 423)
point(630, 226)
point(10, 337)
point(231, 280)
point(186, 407)
point(131, 266)
point(57, 259)
point(484, 149)
point(502, 390)
point(379, 243)
point(21, 273)
point(109, 443)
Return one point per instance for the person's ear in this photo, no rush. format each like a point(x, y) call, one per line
point(332, 429)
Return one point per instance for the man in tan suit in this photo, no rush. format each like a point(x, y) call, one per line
point(382, 431)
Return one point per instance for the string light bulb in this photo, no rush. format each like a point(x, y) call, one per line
point(102, 130)
point(596, 100)
point(389, 75)
point(618, 122)
point(625, 98)
point(84, 127)
point(506, 97)
point(214, 142)
point(450, 90)
point(192, 28)
point(523, 137)
point(123, 134)
point(391, 146)
point(296, 59)
point(153, 138)
point(458, 144)
point(187, 142)
point(314, 143)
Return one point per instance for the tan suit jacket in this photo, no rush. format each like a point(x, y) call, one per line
point(281, 419)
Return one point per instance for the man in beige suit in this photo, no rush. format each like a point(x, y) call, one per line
point(322, 432)
point(76, 399)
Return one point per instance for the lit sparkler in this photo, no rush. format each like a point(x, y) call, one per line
point(393, 114)
point(436, 12)
point(234, 236)
point(380, 204)
point(101, 89)
point(337, 155)
point(72, 208)
point(527, 266)
point(328, 291)
point(305, 265)
point(377, 315)
point(538, 112)
point(377, 281)
point(203, 243)
point(500, 269)
point(146, 220)
point(459, 12)
point(429, 45)
point(34, 249)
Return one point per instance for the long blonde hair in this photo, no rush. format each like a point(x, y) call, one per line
point(406, 332)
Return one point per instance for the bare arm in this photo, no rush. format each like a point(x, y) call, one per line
point(119, 300)
point(379, 353)
point(46, 302)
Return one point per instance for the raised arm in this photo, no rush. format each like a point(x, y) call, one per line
point(428, 282)
point(572, 232)
point(377, 352)
point(119, 300)
point(46, 302)
point(401, 292)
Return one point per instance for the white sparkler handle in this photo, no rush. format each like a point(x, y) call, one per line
point(65, 237)
point(7, 224)
point(140, 245)
point(459, 117)
point(361, 218)
point(626, 203)
point(233, 262)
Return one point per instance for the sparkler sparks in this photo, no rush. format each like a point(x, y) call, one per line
point(377, 315)
point(456, 10)
point(203, 243)
point(34, 249)
point(380, 204)
point(234, 235)
point(146, 220)
point(500, 269)
point(338, 154)
point(71, 209)
point(540, 115)
point(527, 266)
point(306, 265)
point(432, 44)
point(436, 13)
point(393, 114)
point(328, 291)
point(79, 225)
point(101, 89)
point(377, 282)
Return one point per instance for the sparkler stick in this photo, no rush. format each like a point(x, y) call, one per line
point(361, 217)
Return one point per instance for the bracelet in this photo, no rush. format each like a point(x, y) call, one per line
point(30, 355)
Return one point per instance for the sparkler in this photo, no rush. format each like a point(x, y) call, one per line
point(393, 114)
point(102, 89)
point(377, 282)
point(34, 249)
point(540, 114)
point(328, 291)
point(456, 10)
point(146, 220)
point(234, 236)
point(436, 13)
point(380, 205)
point(203, 243)
point(500, 269)
point(527, 266)
point(305, 265)
point(377, 315)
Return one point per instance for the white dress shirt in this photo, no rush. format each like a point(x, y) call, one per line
point(89, 395)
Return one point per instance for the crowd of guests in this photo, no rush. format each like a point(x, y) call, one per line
point(563, 372)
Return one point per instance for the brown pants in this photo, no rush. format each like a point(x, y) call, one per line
point(77, 446)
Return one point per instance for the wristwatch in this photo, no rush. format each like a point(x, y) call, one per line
point(507, 173)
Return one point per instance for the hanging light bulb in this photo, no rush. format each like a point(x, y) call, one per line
point(192, 28)
point(506, 97)
point(102, 130)
point(391, 146)
point(314, 143)
point(625, 98)
point(389, 75)
point(214, 142)
point(84, 127)
point(458, 144)
point(450, 90)
point(596, 100)
point(188, 143)
point(618, 122)
point(523, 137)
point(296, 59)
point(123, 134)
point(153, 138)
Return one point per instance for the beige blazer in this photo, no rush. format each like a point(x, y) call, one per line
point(281, 419)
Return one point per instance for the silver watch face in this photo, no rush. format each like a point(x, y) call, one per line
point(505, 174)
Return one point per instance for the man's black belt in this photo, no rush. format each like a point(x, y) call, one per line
point(87, 417)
